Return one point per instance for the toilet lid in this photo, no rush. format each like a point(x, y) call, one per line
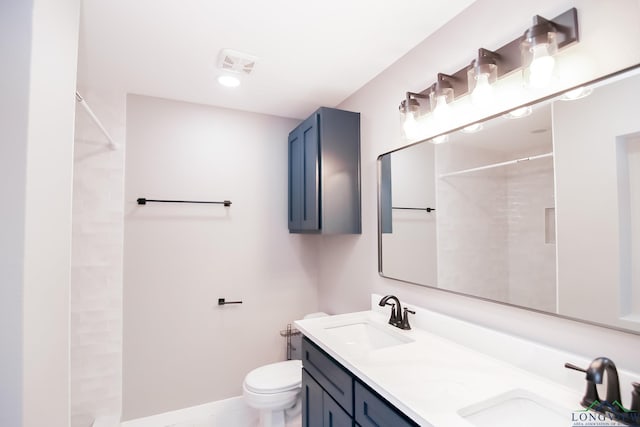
point(274, 378)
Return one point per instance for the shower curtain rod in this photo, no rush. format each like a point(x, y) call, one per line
point(495, 165)
point(89, 111)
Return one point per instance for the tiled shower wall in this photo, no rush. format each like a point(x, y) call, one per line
point(472, 232)
point(96, 264)
point(492, 227)
point(532, 257)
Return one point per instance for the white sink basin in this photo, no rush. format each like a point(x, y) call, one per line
point(517, 407)
point(366, 335)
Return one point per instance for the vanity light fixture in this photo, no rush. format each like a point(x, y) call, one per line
point(441, 96)
point(410, 109)
point(531, 52)
point(538, 46)
point(482, 74)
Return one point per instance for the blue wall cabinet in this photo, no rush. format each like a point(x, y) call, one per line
point(333, 397)
point(324, 174)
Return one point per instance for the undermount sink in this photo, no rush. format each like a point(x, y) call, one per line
point(366, 335)
point(516, 407)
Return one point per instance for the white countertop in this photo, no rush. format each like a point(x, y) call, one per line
point(432, 378)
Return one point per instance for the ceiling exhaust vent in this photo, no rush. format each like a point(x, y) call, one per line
point(235, 61)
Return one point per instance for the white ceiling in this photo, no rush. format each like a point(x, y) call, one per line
point(310, 53)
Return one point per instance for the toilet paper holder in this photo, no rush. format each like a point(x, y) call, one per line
point(288, 333)
point(223, 301)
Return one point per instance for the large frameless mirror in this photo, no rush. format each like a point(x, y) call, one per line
point(538, 209)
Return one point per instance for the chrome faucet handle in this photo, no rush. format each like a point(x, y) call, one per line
point(405, 319)
point(591, 394)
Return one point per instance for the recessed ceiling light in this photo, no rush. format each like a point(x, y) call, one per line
point(576, 93)
point(518, 113)
point(228, 81)
point(440, 139)
point(476, 127)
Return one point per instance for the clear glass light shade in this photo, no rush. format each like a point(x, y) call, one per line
point(409, 113)
point(538, 60)
point(440, 100)
point(410, 126)
point(481, 79)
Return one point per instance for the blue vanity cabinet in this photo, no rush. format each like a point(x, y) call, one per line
point(331, 376)
point(324, 174)
point(318, 408)
point(333, 397)
point(371, 410)
point(312, 397)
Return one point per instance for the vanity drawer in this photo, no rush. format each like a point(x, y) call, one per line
point(329, 374)
point(372, 410)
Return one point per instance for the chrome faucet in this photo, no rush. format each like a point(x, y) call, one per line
point(595, 375)
point(396, 309)
point(397, 319)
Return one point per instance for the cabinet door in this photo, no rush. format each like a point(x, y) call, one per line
point(312, 396)
point(304, 180)
point(372, 411)
point(329, 374)
point(333, 415)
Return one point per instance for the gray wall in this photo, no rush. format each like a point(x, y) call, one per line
point(180, 348)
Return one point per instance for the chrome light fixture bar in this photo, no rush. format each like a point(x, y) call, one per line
point(532, 53)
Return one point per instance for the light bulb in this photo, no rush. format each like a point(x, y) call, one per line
point(542, 64)
point(410, 126)
point(483, 92)
point(442, 109)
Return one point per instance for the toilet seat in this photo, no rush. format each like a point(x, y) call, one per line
point(275, 378)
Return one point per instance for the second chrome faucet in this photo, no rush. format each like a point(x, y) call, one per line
point(612, 404)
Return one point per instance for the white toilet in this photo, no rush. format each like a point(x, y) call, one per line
point(274, 389)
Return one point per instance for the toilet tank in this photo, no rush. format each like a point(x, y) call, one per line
point(296, 339)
